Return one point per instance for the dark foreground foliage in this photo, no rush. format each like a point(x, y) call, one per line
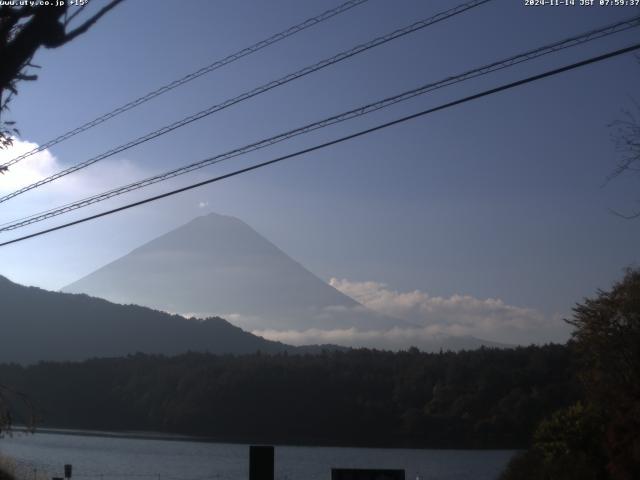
point(488, 398)
point(600, 437)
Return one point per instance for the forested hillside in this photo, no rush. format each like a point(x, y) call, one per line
point(40, 325)
point(483, 398)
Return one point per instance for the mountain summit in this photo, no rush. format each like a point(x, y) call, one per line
point(218, 265)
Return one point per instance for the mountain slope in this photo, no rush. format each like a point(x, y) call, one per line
point(37, 325)
point(218, 265)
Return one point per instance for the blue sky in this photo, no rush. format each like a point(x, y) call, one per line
point(499, 198)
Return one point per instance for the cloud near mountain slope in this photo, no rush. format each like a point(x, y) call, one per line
point(454, 322)
point(489, 318)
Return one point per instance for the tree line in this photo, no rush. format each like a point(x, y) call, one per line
point(576, 407)
point(486, 398)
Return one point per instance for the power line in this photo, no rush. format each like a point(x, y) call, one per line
point(310, 22)
point(252, 93)
point(474, 73)
point(367, 131)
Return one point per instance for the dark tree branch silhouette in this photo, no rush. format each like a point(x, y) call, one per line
point(15, 405)
point(626, 139)
point(25, 29)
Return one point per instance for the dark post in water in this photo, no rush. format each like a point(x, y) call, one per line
point(366, 474)
point(261, 462)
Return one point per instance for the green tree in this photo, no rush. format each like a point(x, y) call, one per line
point(567, 446)
point(601, 437)
point(570, 443)
point(607, 340)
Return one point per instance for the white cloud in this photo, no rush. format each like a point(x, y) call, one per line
point(455, 322)
point(458, 315)
point(29, 170)
point(490, 319)
point(97, 178)
point(429, 338)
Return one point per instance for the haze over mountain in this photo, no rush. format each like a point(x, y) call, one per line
point(39, 325)
point(218, 265)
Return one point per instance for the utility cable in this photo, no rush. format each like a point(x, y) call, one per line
point(252, 93)
point(367, 131)
point(357, 112)
point(310, 22)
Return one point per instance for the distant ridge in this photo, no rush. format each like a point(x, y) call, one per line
point(39, 325)
point(218, 265)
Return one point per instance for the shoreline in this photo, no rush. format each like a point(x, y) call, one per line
point(133, 435)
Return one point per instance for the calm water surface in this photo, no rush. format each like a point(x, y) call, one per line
point(42, 455)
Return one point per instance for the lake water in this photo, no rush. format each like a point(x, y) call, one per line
point(42, 455)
